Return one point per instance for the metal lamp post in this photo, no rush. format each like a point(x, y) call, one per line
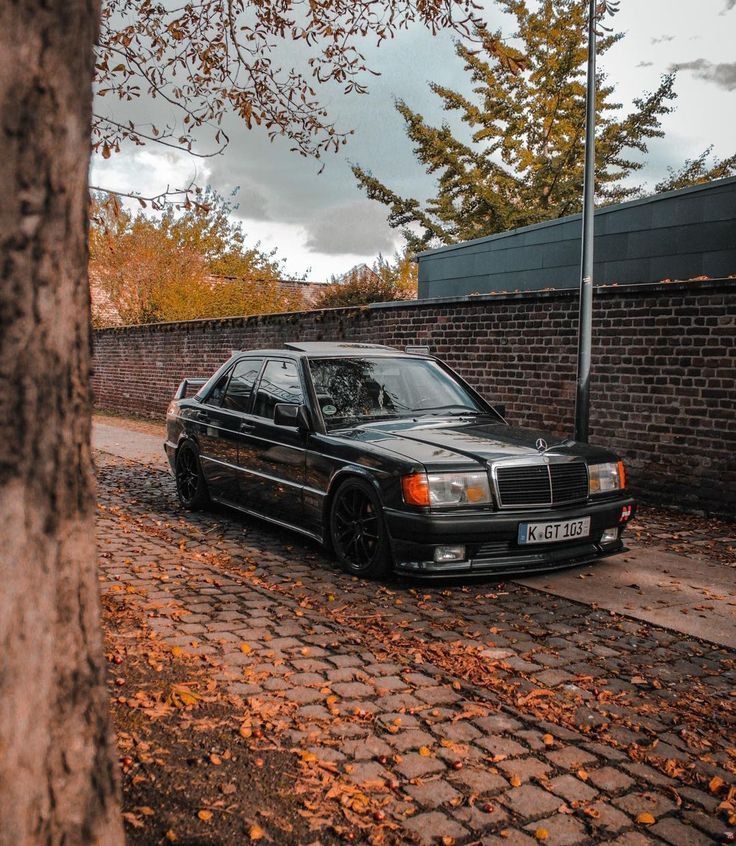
point(585, 324)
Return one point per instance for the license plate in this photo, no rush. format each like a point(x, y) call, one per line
point(556, 532)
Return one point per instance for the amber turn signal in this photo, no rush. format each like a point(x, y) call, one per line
point(415, 489)
point(621, 475)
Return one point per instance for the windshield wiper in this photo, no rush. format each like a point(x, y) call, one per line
point(449, 410)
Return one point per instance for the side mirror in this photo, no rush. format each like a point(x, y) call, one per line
point(288, 414)
point(500, 407)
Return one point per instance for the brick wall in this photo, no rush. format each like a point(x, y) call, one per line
point(664, 368)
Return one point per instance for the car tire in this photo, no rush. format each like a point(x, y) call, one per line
point(358, 531)
point(191, 486)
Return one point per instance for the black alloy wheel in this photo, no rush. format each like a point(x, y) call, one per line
point(190, 482)
point(358, 531)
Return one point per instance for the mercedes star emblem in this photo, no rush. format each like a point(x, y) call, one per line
point(541, 444)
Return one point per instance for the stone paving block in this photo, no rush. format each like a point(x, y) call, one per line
point(607, 819)
point(419, 680)
point(365, 771)
point(497, 723)
point(572, 789)
point(480, 780)
point(407, 739)
point(511, 837)
point(437, 695)
point(562, 830)
point(530, 801)
point(635, 838)
point(342, 674)
point(368, 747)
point(481, 816)
point(433, 825)
point(244, 689)
point(654, 803)
point(571, 758)
point(389, 684)
point(431, 794)
point(414, 765)
point(553, 678)
point(678, 834)
point(526, 769)
point(498, 745)
point(461, 731)
point(304, 695)
point(300, 679)
point(397, 701)
point(352, 690)
point(610, 779)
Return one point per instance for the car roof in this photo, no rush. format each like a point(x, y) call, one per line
point(345, 349)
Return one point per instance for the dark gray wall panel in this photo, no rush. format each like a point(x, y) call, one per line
point(676, 235)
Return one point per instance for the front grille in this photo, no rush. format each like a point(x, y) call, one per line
point(542, 484)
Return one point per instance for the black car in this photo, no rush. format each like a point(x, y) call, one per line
point(393, 461)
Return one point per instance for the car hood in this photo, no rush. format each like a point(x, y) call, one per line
point(442, 442)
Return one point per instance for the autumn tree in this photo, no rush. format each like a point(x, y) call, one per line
point(517, 154)
point(58, 767)
point(184, 266)
point(386, 281)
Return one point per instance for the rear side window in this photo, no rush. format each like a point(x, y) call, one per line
point(215, 396)
point(280, 383)
point(239, 394)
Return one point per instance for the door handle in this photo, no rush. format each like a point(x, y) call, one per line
point(247, 427)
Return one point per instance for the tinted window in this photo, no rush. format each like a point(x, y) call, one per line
point(240, 390)
point(352, 388)
point(214, 397)
point(279, 383)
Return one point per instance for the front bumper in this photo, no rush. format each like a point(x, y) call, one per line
point(491, 539)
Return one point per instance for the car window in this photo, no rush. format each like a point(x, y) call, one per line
point(280, 383)
point(352, 388)
point(214, 397)
point(238, 396)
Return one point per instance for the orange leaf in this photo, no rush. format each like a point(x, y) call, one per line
point(541, 834)
point(645, 818)
point(255, 832)
point(204, 815)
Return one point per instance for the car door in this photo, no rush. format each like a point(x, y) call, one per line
point(273, 458)
point(223, 416)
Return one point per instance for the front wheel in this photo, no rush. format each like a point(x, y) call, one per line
point(190, 482)
point(358, 531)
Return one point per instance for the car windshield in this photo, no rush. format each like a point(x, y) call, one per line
point(350, 389)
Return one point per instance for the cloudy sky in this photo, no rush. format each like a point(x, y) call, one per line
point(322, 223)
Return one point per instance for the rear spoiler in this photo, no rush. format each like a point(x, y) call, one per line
point(181, 391)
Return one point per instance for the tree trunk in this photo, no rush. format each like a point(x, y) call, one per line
point(58, 777)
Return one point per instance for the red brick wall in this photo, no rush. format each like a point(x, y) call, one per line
point(664, 368)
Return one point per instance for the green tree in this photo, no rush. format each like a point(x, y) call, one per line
point(523, 160)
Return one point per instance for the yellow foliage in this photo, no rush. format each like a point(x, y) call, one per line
point(146, 269)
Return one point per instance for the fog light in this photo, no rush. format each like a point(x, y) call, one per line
point(449, 553)
point(609, 536)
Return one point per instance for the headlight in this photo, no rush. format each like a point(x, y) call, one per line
point(446, 488)
point(604, 478)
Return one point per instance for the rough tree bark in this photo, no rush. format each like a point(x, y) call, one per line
point(58, 781)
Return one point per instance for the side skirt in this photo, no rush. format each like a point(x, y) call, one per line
point(251, 513)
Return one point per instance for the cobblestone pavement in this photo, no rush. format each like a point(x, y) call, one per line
point(467, 713)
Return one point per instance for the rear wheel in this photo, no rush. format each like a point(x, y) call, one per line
point(190, 482)
point(358, 530)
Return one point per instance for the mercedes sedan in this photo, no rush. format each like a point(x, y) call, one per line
point(394, 462)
